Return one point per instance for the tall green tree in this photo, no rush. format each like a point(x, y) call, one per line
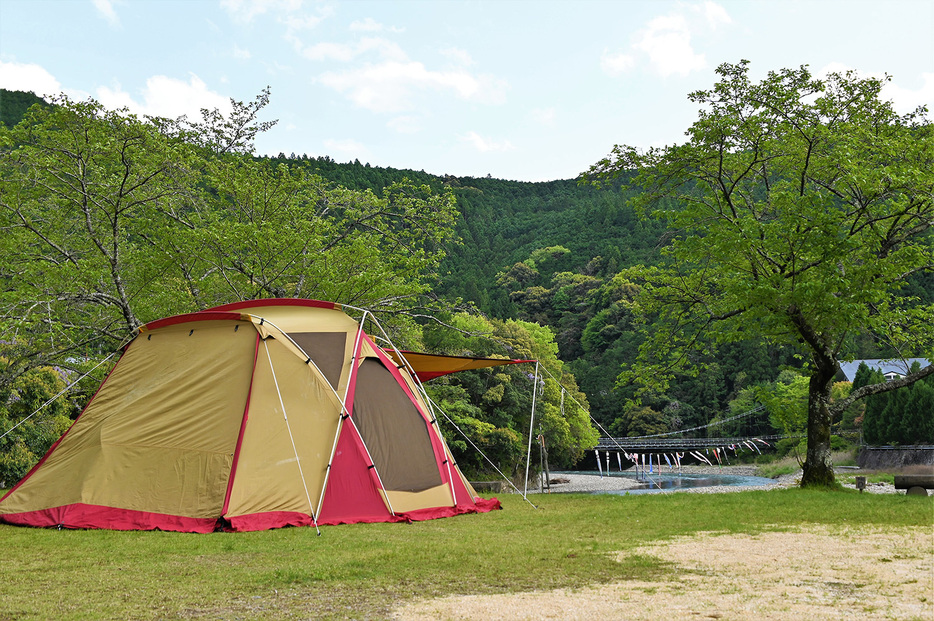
point(799, 207)
point(110, 220)
point(82, 190)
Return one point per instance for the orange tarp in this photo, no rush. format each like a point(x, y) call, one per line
point(430, 366)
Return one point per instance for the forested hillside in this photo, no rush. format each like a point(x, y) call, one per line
point(554, 253)
point(558, 254)
point(13, 105)
point(547, 268)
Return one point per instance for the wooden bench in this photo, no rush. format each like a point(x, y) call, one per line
point(915, 484)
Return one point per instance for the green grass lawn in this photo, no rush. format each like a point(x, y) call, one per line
point(362, 571)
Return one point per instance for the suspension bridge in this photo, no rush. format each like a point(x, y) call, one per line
point(676, 442)
point(674, 445)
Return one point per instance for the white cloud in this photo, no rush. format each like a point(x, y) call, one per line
point(348, 147)
point(297, 25)
point(28, 77)
point(907, 100)
point(246, 10)
point(666, 41)
point(366, 25)
point(241, 54)
point(485, 145)
point(371, 25)
point(379, 76)
point(715, 15)
point(459, 56)
point(390, 86)
point(327, 51)
point(615, 64)
point(106, 9)
point(345, 52)
point(168, 97)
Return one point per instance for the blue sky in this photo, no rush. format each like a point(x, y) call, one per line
point(522, 90)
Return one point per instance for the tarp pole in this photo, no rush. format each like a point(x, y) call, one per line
point(528, 457)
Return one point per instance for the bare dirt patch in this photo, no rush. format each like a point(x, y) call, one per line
point(813, 572)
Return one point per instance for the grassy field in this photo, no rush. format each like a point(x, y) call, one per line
point(363, 571)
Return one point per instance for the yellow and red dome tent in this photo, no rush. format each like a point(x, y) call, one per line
point(250, 416)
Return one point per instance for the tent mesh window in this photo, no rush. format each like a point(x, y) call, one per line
point(327, 351)
point(394, 431)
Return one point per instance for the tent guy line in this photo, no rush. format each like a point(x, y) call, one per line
point(60, 393)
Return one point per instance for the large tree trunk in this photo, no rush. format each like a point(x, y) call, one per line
point(818, 468)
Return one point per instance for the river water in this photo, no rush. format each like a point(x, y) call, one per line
point(656, 482)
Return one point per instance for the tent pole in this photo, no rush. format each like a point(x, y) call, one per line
point(342, 414)
point(343, 402)
point(528, 457)
point(350, 381)
point(285, 415)
point(427, 400)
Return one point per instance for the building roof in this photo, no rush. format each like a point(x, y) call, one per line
point(898, 366)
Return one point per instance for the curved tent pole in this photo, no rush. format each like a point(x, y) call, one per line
point(427, 399)
point(345, 412)
point(285, 415)
point(345, 415)
point(358, 345)
point(342, 401)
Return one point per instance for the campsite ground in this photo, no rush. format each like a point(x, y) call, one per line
point(770, 554)
point(862, 572)
point(809, 572)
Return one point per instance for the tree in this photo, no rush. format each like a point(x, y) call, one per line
point(28, 429)
point(799, 209)
point(786, 402)
point(902, 417)
point(272, 230)
point(109, 221)
point(82, 189)
point(640, 420)
point(501, 397)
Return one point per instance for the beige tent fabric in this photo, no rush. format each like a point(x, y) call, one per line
point(269, 473)
point(132, 463)
point(295, 321)
point(158, 446)
point(402, 502)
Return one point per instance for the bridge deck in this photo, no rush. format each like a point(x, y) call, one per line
point(641, 445)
